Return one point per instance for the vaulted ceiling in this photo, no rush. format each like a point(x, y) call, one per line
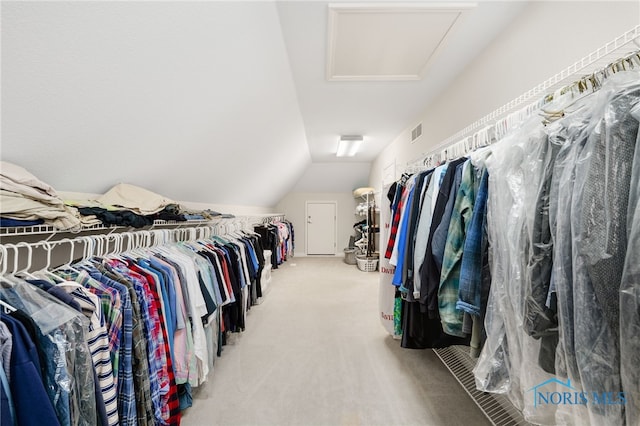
point(222, 102)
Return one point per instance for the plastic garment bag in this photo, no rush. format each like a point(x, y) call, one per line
point(509, 361)
point(570, 135)
point(601, 249)
point(69, 373)
point(591, 251)
point(630, 297)
point(559, 217)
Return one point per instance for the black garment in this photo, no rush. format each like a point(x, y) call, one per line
point(605, 203)
point(220, 280)
point(391, 194)
point(408, 267)
point(257, 245)
point(541, 321)
point(269, 235)
point(117, 217)
point(232, 313)
point(562, 193)
point(602, 246)
point(429, 272)
point(208, 300)
point(236, 284)
point(538, 319)
point(421, 332)
point(168, 213)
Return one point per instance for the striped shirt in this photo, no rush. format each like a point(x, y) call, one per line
point(395, 221)
point(111, 302)
point(98, 343)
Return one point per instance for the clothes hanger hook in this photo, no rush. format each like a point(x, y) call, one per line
point(29, 256)
point(3, 259)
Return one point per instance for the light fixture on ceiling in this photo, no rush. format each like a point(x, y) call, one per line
point(348, 145)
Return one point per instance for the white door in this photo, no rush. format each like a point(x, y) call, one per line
point(321, 227)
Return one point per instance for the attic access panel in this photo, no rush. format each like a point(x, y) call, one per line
point(387, 42)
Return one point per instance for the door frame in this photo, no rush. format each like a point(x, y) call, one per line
point(306, 225)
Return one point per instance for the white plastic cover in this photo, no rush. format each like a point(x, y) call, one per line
point(559, 217)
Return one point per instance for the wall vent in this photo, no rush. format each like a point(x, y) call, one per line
point(416, 132)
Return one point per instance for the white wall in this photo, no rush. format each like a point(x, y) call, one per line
point(294, 207)
point(333, 177)
point(544, 39)
point(193, 100)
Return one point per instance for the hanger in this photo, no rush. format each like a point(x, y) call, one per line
point(16, 255)
point(67, 266)
point(4, 258)
point(87, 252)
point(9, 278)
point(6, 307)
point(46, 273)
point(116, 250)
point(25, 272)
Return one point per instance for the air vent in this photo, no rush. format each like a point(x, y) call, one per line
point(416, 132)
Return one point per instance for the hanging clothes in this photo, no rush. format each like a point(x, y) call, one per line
point(279, 238)
point(560, 213)
point(133, 333)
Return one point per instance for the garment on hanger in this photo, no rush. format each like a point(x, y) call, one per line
point(67, 367)
point(533, 237)
point(134, 333)
point(559, 218)
point(279, 238)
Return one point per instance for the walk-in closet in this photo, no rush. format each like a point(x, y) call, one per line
point(320, 213)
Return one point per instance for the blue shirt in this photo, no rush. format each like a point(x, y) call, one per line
point(402, 239)
point(31, 402)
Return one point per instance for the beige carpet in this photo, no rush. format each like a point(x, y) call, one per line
point(315, 353)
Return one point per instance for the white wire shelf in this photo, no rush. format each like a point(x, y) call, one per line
point(8, 232)
point(596, 61)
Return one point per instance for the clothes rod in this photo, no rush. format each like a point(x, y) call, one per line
point(589, 64)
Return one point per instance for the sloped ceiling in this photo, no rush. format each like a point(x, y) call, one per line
point(378, 110)
point(194, 101)
point(215, 102)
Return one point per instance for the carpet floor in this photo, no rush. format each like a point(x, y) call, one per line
point(314, 353)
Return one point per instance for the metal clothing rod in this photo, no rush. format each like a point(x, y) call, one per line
point(601, 59)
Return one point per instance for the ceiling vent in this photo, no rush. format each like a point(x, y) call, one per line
point(416, 133)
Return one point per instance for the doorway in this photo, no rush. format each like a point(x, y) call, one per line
point(321, 227)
